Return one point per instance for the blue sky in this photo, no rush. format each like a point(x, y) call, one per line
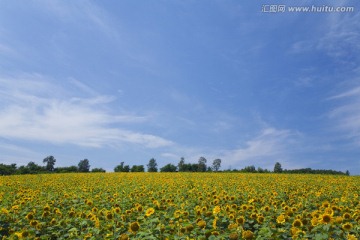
point(116, 81)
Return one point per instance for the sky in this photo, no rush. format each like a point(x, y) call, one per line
point(127, 81)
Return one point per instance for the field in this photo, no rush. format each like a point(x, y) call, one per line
point(179, 206)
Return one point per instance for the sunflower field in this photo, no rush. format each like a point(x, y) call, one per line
point(179, 206)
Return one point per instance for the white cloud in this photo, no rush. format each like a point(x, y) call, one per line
point(78, 12)
point(271, 144)
point(346, 115)
point(350, 93)
point(30, 112)
point(339, 40)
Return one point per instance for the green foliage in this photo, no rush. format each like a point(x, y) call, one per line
point(98, 170)
point(216, 165)
point(181, 165)
point(50, 163)
point(202, 164)
point(168, 168)
point(84, 166)
point(70, 169)
point(152, 165)
point(137, 168)
point(277, 168)
point(122, 168)
point(7, 169)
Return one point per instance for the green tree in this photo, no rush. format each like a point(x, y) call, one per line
point(84, 166)
point(66, 169)
point(168, 168)
point(122, 168)
point(181, 165)
point(98, 170)
point(202, 164)
point(137, 168)
point(7, 169)
point(34, 168)
point(249, 169)
point(152, 165)
point(277, 168)
point(216, 165)
point(50, 163)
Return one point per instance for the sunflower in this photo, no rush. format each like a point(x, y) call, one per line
point(201, 223)
point(347, 226)
point(23, 234)
point(30, 216)
point(329, 211)
point(325, 218)
point(244, 207)
point(34, 223)
point(216, 201)
point(149, 212)
point(46, 208)
point(72, 214)
point(260, 219)
point(233, 236)
point(346, 216)
point(189, 227)
point(240, 220)
point(297, 223)
point(267, 208)
point(280, 219)
point(53, 221)
point(134, 227)
point(233, 226)
point(177, 214)
point(216, 210)
point(351, 237)
point(117, 210)
point(109, 215)
point(339, 219)
point(325, 204)
point(214, 223)
point(247, 234)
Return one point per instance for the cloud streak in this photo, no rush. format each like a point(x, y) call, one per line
point(30, 112)
point(347, 114)
point(262, 150)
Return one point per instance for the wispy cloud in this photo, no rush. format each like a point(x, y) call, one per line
point(347, 114)
point(77, 12)
point(269, 146)
point(30, 112)
point(340, 39)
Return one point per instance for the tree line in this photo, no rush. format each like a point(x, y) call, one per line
point(33, 168)
point(182, 166)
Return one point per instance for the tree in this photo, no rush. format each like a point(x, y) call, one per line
point(7, 169)
point(137, 168)
point(84, 165)
point(50, 163)
point(347, 173)
point(168, 168)
point(32, 168)
point(249, 169)
point(181, 165)
point(98, 170)
point(152, 166)
point(202, 164)
point(216, 165)
point(277, 168)
point(122, 168)
point(70, 169)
